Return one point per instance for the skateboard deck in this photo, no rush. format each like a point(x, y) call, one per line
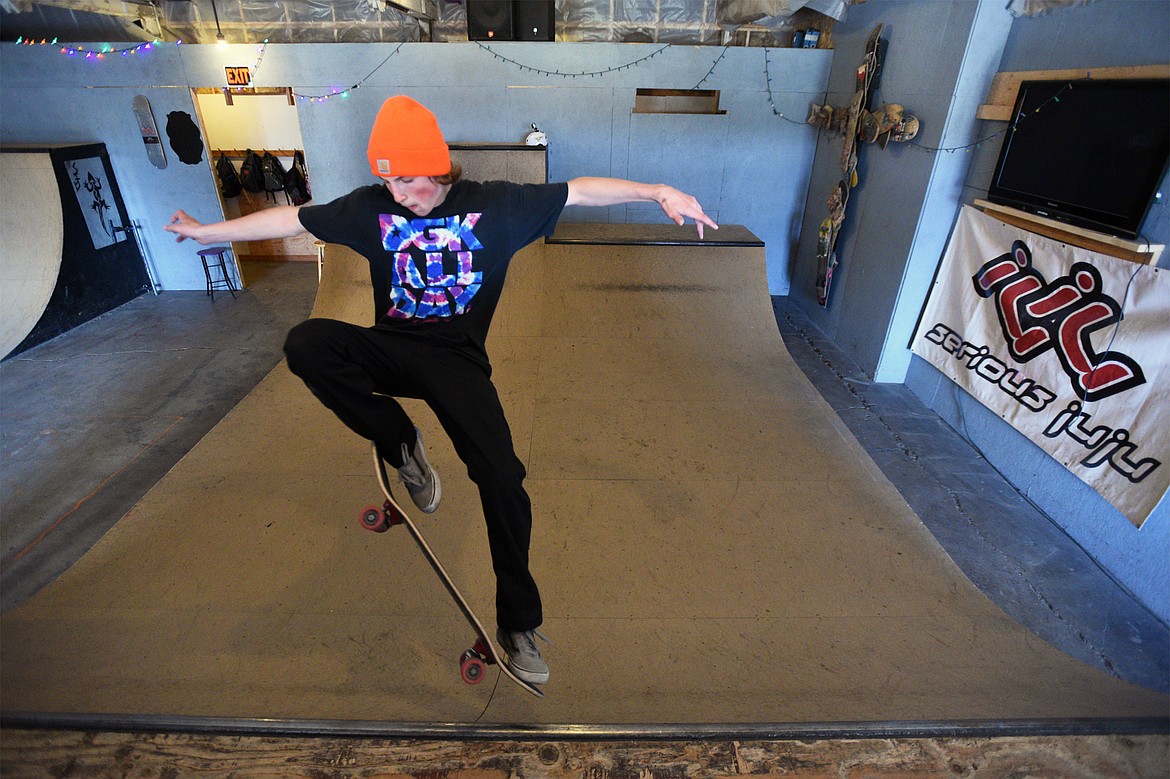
point(473, 662)
point(826, 259)
point(860, 125)
point(149, 130)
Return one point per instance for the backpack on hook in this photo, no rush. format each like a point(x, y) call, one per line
point(251, 172)
point(296, 181)
point(274, 174)
point(229, 180)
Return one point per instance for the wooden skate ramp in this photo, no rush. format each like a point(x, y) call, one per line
point(712, 544)
point(31, 239)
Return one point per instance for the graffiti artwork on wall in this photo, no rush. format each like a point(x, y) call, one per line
point(90, 185)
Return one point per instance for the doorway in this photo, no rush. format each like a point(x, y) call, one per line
point(257, 119)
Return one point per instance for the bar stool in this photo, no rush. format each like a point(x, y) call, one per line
point(213, 260)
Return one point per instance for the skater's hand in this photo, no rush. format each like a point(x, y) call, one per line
point(594, 191)
point(183, 226)
point(679, 205)
point(279, 222)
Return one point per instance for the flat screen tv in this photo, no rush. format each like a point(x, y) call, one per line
point(1093, 155)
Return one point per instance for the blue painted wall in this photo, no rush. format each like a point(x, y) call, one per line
point(747, 166)
point(47, 97)
point(939, 64)
point(1102, 34)
point(940, 57)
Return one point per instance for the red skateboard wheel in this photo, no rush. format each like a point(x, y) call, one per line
point(373, 518)
point(471, 668)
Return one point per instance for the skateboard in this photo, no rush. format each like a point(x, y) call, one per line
point(472, 663)
point(859, 125)
point(865, 84)
point(826, 259)
point(827, 240)
point(150, 137)
point(869, 74)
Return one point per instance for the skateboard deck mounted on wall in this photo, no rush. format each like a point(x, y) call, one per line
point(149, 130)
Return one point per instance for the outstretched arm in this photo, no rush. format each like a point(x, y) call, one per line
point(591, 191)
point(279, 222)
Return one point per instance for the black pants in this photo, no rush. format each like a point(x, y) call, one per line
point(353, 370)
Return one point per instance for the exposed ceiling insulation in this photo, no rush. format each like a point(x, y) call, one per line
point(696, 22)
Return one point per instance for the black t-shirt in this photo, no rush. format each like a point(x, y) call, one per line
point(440, 275)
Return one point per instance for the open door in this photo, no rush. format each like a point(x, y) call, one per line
point(261, 120)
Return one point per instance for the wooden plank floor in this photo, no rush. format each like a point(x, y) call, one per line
point(29, 754)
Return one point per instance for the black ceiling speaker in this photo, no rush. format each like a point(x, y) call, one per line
point(534, 20)
point(489, 20)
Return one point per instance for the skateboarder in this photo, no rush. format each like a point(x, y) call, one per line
point(439, 248)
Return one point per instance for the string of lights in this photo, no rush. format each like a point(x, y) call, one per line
point(260, 58)
point(337, 92)
point(1011, 127)
point(966, 147)
point(591, 73)
point(92, 54)
point(714, 65)
point(937, 149)
point(108, 50)
point(771, 99)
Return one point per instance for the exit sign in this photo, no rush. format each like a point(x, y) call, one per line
point(238, 76)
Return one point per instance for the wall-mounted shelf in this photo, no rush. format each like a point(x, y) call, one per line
point(230, 93)
point(677, 101)
point(244, 152)
point(1001, 98)
point(1102, 243)
point(491, 161)
point(497, 147)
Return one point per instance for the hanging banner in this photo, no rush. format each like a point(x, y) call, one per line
point(1068, 346)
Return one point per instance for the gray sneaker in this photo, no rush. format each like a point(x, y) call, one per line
point(524, 658)
point(421, 480)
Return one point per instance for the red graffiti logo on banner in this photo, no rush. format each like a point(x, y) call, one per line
point(1036, 315)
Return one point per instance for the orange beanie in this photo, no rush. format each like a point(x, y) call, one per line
point(406, 141)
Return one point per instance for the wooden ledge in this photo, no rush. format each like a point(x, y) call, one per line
point(597, 233)
point(1102, 243)
point(1001, 97)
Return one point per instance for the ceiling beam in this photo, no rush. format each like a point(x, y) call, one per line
point(125, 8)
point(418, 9)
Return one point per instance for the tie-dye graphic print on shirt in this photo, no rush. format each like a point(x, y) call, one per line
point(440, 275)
point(433, 274)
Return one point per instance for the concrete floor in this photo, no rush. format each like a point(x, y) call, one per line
point(1015, 555)
point(1028, 568)
point(94, 418)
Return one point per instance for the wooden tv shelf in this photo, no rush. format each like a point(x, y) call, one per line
point(1001, 97)
point(1103, 243)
